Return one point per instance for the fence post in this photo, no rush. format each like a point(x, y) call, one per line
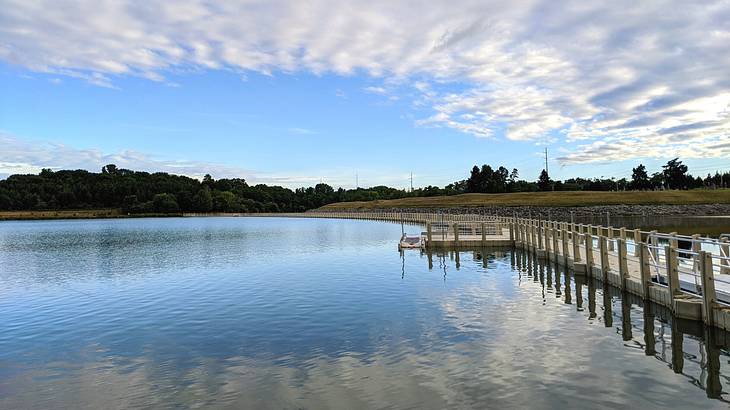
point(610, 238)
point(603, 242)
point(696, 248)
point(576, 246)
point(589, 253)
point(672, 273)
point(623, 266)
point(637, 240)
point(709, 296)
point(673, 242)
point(725, 254)
point(645, 269)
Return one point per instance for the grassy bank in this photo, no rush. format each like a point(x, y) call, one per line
point(548, 199)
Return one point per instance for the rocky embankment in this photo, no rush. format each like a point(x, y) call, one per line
point(582, 212)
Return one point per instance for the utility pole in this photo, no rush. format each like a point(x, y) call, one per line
point(547, 170)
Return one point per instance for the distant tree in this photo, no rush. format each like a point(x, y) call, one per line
point(209, 181)
point(130, 203)
point(165, 203)
point(109, 169)
point(544, 183)
point(474, 181)
point(639, 178)
point(203, 200)
point(675, 174)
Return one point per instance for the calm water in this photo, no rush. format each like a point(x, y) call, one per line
point(305, 313)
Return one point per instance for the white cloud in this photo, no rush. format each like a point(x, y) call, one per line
point(609, 75)
point(21, 156)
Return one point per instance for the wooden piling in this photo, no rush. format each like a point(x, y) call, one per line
point(603, 247)
point(644, 269)
point(623, 267)
point(672, 273)
point(725, 254)
point(589, 253)
point(709, 297)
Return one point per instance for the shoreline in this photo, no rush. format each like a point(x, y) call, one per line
point(719, 211)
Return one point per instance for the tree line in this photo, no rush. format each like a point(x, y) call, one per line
point(159, 192)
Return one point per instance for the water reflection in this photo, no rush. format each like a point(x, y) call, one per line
point(325, 314)
point(705, 345)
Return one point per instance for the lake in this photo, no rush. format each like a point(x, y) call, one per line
point(315, 313)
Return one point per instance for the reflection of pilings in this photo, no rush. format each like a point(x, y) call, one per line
point(457, 260)
point(607, 308)
point(568, 296)
point(677, 348)
point(626, 318)
point(649, 339)
point(591, 300)
point(549, 272)
point(558, 291)
point(712, 385)
point(579, 282)
point(429, 255)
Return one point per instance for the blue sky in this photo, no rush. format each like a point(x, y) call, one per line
point(281, 93)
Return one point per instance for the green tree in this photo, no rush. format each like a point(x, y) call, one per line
point(544, 183)
point(675, 174)
point(165, 203)
point(203, 200)
point(639, 178)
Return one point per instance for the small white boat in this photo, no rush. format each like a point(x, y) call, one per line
point(410, 242)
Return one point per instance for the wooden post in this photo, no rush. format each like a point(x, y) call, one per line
point(725, 254)
point(603, 246)
point(539, 237)
point(456, 234)
point(484, 234)
point(610, 238)
point(645, 269)
point(429, 232)
point(589, 253)
point(623, 267)
point(709, 296)
point(696, 248)
point(576, 246)
point(652, 241)
point(511, 231)
point(672, 273)
point(673, 242)
point(556, 248)
point(637, 240)
point(564, 236)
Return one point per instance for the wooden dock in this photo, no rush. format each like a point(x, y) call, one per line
point(690, 275)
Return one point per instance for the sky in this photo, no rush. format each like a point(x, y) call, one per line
point(295, 93)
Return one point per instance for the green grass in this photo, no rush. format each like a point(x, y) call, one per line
point(573, 198)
